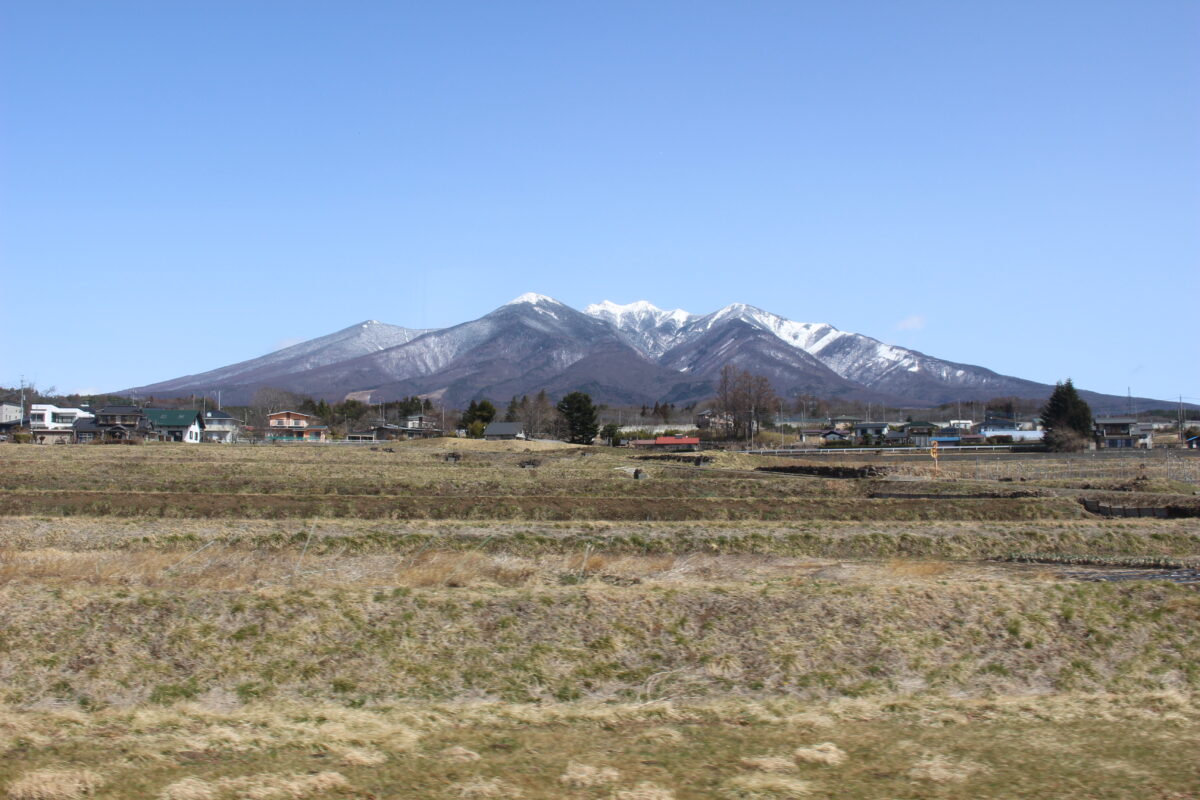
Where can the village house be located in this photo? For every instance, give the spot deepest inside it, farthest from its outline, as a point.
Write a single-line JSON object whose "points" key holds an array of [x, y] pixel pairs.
{"points": [[418, 426], [920, 434], [53, 436], [500, 431], [947, 436], [121, 423], [1123, 432], [9, 412], [711, 418], [844, 423], [219, 426], [45, 416], [292, 426], [87, 430], [175, 424], [871, 431], [379, 432]]}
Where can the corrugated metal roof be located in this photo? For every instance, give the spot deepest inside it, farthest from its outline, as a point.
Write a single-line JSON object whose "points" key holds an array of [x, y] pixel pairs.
{"points": [[677, 440], [172, 417]]}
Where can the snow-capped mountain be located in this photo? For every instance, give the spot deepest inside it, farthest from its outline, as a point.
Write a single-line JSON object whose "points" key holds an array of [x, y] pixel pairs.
{"points": [[349, 343], [642, 325], [633, 353], [860, 360]]}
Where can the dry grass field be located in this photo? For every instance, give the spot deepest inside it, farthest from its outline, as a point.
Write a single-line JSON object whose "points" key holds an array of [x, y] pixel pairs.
{"points": [[515, 621]]}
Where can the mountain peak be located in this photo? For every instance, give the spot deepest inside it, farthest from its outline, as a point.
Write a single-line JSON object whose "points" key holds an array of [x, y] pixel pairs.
{"points": [[617, 308], [532, 298], [638, 309]]}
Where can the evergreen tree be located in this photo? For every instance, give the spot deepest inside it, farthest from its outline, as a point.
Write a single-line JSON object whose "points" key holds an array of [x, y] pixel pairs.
{"points": [[485, 412], [611, 433], [1067, 419], [580, 415], [513, 411], [470, 415]]}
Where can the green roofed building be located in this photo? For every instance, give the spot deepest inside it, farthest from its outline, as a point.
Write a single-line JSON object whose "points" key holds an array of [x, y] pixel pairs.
{"points": [[175, 424]]}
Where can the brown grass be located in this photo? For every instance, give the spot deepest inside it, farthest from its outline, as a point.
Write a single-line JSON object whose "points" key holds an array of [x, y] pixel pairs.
{"points": [[239, 622], [826, 753], [769, 764], [586, 776], [764, 787], [646, 790], [917, 569], [266, 786], [485, 789], [55, 784]]}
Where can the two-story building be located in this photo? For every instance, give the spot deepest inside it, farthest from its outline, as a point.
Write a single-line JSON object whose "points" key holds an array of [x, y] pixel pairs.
{"points": [[292, 426], [1123, 432], [46, 416], [220, 426], [118, 423], [9, 412], [920, 434], [176, 424], [871, 431]]}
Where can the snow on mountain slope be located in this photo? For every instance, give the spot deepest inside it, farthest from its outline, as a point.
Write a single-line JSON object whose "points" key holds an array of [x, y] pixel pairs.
{"points": [[852, 356], [644, 326], [635, 352], [349, 343]]}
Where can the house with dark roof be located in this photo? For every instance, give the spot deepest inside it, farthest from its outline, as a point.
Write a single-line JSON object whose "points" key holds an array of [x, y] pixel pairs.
{"points": [[836, 435], [499, 431], [921, 433], [120, 423], [871, 431], [176, 424], [88, 430]]}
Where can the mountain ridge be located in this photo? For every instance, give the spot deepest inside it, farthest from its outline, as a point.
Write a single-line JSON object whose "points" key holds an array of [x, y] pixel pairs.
{"points": [[628, 354]]}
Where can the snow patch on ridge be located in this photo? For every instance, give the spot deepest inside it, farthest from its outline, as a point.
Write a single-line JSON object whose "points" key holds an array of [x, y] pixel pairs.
{"points": [[533, 298]]}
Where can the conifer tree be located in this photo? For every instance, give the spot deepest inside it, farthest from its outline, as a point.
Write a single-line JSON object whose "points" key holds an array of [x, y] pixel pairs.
{"points": [[1066, 418], [580, 415]]}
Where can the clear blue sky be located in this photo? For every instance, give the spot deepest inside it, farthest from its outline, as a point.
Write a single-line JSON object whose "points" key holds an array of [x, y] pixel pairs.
{"points": [[184, 185]]}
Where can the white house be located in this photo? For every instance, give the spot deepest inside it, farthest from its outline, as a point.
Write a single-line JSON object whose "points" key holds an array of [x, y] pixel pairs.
{"points": [[45, 416], [9, 412], [221, 427]]}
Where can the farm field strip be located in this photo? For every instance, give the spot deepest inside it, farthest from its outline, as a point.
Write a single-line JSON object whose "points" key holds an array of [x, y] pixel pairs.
{"points": [[212, 623]]}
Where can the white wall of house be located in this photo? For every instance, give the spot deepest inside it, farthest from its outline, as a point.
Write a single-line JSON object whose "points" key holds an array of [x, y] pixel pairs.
{"points": [[51, 417], [9, 412], [1017, 435]]}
